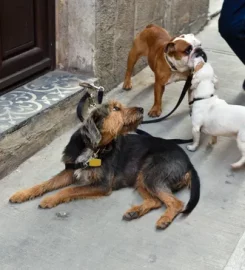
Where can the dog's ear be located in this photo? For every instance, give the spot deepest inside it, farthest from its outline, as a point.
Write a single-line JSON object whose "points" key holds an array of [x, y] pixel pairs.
{"points": [[170, 48], [90, 131]]}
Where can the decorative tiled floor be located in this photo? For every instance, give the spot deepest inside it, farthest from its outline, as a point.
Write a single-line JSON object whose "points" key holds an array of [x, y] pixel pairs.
{"points": [[28, 100]]}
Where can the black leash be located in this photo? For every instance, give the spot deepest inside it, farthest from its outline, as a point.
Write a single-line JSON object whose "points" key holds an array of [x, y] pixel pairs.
{"points": [[182, 95], [100, 95], [100, 91], [177, 141], [80, 105], [199, 53]]}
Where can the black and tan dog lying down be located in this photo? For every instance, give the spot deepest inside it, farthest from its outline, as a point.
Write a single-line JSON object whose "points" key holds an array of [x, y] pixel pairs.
{"points": [[101, 158]]}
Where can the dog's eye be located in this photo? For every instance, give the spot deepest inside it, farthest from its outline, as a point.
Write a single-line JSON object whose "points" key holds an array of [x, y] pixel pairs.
{"points": [[188, 50], [115, 108]]}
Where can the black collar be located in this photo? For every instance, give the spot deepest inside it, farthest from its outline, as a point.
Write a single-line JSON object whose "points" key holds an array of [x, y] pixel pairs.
{"points": [[171, 65], [98, 154], [197, 99], [75, 166]]}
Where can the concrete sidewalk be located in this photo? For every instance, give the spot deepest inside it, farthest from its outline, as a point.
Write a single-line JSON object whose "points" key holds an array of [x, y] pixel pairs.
{"points": [[92, 235]]}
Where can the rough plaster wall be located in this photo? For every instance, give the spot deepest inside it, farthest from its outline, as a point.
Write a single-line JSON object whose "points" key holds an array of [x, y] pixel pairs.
{"points": [[105, 30], [188, 16], [76, 34], [199, 13], [61, 33], [81, 29], [147, 12], [114, 36]]}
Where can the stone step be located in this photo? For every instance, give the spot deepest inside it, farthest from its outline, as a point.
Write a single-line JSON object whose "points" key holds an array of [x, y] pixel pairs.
{"points": [[32, 115]]}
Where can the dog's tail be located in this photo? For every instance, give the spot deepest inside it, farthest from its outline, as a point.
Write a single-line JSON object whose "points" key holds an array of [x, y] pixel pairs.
{"points": [[195, 192]]}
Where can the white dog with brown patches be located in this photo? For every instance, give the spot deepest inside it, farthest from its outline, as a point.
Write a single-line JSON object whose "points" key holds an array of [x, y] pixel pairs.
{"points": [[212, 115]]}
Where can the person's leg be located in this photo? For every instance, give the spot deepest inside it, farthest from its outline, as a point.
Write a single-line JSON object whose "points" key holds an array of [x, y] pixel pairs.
{"points": [[232, 26]]}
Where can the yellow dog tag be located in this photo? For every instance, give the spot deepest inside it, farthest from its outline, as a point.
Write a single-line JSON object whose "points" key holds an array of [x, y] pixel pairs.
{"points": [[95, 162]]}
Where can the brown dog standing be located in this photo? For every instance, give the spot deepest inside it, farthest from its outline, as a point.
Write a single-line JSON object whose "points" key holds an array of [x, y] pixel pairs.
{"points": [[167, 57]]}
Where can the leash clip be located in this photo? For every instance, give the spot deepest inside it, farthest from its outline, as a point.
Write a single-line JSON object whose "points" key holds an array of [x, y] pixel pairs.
{"points": [[88, 100], [91, 89]]}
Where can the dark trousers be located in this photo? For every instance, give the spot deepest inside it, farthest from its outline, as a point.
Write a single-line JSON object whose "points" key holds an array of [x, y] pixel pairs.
{"points": [[232, 26]]}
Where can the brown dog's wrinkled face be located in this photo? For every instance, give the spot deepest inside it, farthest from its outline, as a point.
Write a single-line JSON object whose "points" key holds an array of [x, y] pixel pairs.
{"points": [[180, 49], [110, 120]]}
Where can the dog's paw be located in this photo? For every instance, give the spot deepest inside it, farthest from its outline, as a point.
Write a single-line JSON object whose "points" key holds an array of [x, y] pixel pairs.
{"points": [[239, 164], [127, 85], [163, 223], [48, 202], [155, 112], [130, 216], [212, 141], [20, 196], [210, 145], [236, 166], [191, 147]]}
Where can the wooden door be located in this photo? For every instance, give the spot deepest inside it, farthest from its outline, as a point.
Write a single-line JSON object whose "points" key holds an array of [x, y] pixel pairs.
{"points": [[27, 40]]}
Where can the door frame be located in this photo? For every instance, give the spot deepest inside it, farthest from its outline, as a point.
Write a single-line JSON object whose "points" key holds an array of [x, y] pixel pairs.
{"points": [[15, 80]]}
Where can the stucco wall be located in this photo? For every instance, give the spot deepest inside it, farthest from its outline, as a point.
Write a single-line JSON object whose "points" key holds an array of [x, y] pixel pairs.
{"points": [[96, 36], [75, 34]]}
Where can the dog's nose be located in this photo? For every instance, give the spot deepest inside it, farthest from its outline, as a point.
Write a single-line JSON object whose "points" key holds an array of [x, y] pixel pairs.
{"points": [[199, 52], [141, 110]]}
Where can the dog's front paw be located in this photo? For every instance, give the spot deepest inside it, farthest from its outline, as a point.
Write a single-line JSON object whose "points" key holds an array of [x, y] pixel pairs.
{"points": [[130, 216], [191, 147], [155, 111], [212, 141], [48, 202], [237, 165], [127, 85], [132, 213], [163, 223], [20, 196]]}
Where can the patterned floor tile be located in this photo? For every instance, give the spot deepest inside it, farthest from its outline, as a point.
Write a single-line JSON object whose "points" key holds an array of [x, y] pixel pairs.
{"points": [[28, 100]]}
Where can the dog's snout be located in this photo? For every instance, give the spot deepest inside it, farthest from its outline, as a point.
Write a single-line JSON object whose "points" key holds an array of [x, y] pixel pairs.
{"points": [[140, 109], [199, 52]]}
